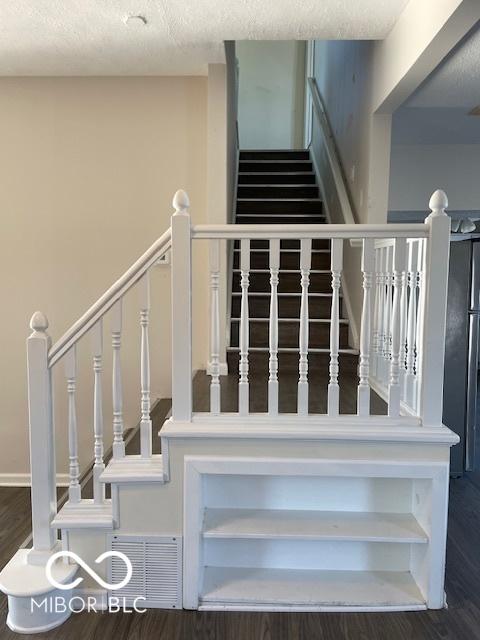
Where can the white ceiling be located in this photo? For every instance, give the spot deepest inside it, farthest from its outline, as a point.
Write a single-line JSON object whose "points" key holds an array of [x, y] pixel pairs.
{"points": [[456, 81], [90, 37]]}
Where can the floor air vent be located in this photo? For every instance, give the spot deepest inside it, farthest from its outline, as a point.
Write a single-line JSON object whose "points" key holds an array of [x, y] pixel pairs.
{"points": [[157, 570]]}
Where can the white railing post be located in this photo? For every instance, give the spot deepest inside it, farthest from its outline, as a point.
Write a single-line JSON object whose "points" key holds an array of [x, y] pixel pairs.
{"points": [[368, 265], [333, 386], [181, 310], [99, 465], [214, 366], [145, 422], [434, 305], [42, 448], [411, 346], [399, 254]]}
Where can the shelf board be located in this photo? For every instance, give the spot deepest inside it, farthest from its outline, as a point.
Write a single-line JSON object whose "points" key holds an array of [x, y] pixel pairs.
{"points": [[230, 587], [312, 525]]}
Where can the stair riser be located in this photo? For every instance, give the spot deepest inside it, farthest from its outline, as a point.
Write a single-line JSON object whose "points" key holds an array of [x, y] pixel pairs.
{"points": [[285, 244], [275, 155], [276, 178], [288, 282], [287, 260], [275, 167], [288, 335], [288, 307], [278, 192], [279, 206]]}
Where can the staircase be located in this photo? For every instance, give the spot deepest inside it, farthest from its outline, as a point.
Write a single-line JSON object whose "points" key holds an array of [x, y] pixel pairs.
{"points": [[280, 187], [260, 506]]}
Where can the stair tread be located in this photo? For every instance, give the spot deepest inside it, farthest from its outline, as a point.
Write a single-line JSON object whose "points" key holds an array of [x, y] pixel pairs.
{"points": [[134, 468], [84, 515]]}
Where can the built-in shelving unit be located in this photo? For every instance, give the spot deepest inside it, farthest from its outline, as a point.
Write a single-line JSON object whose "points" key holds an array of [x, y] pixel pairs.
{"points": [[356, 540]]}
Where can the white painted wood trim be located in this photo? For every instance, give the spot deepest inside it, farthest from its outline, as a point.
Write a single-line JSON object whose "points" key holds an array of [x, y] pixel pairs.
{"points": [[110, 297], [293, 427], [181, 309], [25, 480], [307, 231]]}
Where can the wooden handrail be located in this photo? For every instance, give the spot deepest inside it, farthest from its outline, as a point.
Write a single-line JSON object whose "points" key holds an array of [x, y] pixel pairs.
{"points": [[110, 297]]}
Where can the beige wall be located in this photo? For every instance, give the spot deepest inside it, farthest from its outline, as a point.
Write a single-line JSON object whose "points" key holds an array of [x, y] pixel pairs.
{"points": [[89, 167]]}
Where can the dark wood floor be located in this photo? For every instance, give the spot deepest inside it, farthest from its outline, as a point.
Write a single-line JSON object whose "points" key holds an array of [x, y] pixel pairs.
{"points": [[461, 621]]}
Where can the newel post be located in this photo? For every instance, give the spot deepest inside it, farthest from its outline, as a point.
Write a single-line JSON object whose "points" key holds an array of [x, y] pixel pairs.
{"points": [[181, 310], [434, 302], [42, 448]]}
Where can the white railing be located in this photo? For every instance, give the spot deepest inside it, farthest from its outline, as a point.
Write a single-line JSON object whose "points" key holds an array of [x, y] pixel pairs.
{"points": [[401, 353]]}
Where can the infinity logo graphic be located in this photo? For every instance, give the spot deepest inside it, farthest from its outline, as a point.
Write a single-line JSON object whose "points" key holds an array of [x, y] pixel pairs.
{"points": [[91, 572]]}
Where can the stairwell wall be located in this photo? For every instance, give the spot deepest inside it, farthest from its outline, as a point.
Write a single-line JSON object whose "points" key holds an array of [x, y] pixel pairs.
{"points": [[89, 167]]}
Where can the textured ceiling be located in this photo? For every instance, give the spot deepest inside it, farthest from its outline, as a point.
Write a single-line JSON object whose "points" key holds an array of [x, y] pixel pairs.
{"points": [[90, 37], [456, 81]]}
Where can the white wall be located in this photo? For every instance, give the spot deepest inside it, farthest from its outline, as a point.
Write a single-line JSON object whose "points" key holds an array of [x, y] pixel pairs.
{"points": [[271, 94], [416, 171], [89, 167]]}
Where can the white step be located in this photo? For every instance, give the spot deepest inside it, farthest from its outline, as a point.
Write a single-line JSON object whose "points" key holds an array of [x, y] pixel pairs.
{"points": [[84, 515], [236, 588], [312, 525], [134, 469]]}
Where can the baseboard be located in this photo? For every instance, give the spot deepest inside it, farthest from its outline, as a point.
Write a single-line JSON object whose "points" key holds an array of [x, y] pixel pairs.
{"points": [[24, 480]]}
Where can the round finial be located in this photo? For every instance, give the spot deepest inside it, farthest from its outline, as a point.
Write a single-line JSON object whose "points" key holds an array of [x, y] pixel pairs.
{"points": [[181, 202], [39, 322], [438, 201]]}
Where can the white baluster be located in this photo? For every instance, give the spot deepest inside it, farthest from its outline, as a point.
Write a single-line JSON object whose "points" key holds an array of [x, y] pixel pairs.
{"points": [[387, 343], [434, 304], [273, 328], [382, 301], [305, 261], [336, 268], [403, 329], [243, 395], [74, 468], [399, 254], [145, 422], [117, 393], [363, 393], [409, 382], [214, 327], [98, 466], [374, 345]]}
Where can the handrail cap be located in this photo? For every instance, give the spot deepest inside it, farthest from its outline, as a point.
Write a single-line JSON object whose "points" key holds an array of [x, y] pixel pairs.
{"points": [[438, 201], [181, 202], [39, 322]]}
